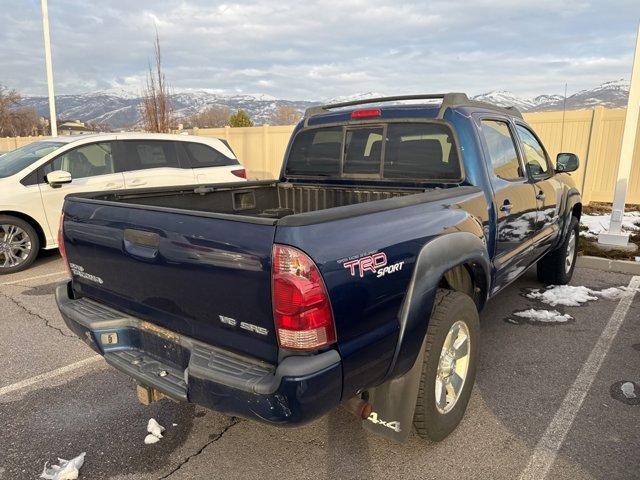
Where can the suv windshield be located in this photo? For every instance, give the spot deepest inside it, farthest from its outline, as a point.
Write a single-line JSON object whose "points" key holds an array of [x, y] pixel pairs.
{"points": [[415, 151], [17, 160]]}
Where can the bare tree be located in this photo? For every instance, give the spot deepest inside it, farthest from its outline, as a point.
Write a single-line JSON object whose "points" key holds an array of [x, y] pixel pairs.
{"points": [[156, 106], [284, 115], [14, 119], [210, 118]]}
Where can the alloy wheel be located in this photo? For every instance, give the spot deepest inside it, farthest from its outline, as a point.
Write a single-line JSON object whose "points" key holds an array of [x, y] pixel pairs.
{"points": [[453, 367], [571, 252], [15, 246]]}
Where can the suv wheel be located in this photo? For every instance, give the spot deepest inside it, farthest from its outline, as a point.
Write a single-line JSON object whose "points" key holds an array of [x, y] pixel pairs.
{"points": [[449, 365], [556, 268], [19, 244]]}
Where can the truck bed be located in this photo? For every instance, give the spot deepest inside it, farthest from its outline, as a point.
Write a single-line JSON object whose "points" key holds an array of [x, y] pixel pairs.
{"points": [[259, 199]]}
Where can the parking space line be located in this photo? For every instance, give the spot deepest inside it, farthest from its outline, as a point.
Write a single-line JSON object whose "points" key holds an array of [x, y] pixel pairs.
{"points": [[547, 448], [28, 279], [48, 375]]}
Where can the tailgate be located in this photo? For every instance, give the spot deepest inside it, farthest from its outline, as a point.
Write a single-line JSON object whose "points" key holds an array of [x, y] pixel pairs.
{"points": [[202, 276]]}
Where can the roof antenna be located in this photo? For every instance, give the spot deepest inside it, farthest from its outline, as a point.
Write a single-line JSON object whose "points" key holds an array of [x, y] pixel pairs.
{"points": [[564, 111]]}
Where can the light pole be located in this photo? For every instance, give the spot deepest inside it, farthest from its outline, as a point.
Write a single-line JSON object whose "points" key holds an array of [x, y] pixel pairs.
{"points": [[614, 235], [47, 59]]}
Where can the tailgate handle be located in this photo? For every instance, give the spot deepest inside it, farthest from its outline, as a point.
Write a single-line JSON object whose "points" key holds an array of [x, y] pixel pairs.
{"points": [[141, 244]]}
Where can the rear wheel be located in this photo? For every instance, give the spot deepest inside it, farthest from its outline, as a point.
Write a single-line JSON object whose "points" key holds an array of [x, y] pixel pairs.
{"points": [[449, 365], [19, 244], [556, 267]]}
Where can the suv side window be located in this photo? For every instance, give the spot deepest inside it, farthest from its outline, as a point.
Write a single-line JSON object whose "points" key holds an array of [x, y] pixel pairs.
{"points": [[146, 154], [534, 154], [202, 156], [502, 150], [84, 161]]}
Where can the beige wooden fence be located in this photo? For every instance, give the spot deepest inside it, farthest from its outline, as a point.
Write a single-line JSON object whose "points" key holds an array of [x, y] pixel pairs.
{"points": [[11, 143], [595, 135]]}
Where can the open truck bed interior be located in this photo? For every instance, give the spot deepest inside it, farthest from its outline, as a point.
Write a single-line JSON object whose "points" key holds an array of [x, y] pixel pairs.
{"points": [[269, 200]]}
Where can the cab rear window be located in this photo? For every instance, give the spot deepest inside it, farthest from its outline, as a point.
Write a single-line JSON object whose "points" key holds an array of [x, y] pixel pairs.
{"points": [[417, 151]]}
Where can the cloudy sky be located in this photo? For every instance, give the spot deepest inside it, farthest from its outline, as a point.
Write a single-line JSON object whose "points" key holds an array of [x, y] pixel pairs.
{"points": [[300, 49]]}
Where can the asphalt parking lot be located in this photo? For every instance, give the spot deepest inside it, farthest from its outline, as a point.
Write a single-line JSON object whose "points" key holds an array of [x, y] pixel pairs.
{"points": [[524, 378]]}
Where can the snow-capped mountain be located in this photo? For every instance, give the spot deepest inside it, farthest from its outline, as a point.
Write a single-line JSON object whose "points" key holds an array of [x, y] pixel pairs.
{"points": [[120, 108], [609, 94]]}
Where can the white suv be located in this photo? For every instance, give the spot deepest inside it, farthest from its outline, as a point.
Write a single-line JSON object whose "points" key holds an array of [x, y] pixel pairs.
{"points": [[35, 179]]}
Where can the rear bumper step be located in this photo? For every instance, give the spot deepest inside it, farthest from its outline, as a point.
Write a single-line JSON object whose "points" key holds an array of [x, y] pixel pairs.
{"points": [[149, 371], [298, 390]]}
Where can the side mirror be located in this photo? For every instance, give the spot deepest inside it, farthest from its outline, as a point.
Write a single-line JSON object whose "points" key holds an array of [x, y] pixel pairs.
{"points": [[58, 178], [567, 162]]}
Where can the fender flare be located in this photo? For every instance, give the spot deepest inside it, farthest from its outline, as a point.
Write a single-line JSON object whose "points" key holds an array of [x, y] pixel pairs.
{"points": [[393, 402], [573, 199], [435, 258]]}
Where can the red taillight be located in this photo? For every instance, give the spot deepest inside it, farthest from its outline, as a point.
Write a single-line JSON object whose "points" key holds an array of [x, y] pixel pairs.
{"points": [[301, 307], [366, 113], [242, 173], [63, 250]]}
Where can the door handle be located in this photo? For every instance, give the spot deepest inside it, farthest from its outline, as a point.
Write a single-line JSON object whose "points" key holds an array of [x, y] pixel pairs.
{"points": [[506, 206], [540, 196], [137, 181]]}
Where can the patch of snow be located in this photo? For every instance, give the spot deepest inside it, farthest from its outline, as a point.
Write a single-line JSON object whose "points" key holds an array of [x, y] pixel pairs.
{"points": [[544, 316], [566, 295], [65, 470], [570, 296], [628, 390], [613, 293], [600, 223]]}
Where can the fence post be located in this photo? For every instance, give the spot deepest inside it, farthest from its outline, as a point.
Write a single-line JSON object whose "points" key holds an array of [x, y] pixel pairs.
{"points": [[590, 162], [227, 130], [266, 161]]}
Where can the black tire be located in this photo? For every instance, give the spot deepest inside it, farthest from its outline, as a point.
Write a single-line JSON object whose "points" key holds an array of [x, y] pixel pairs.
{"points": [[553, 268], [33, 239], [450, 307]]}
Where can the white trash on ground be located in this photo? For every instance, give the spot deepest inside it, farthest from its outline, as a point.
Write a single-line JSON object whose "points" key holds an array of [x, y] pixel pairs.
{"points": [[151, 439], [155, 432], [154, 428], [65, 470], [570, 296], [544, 316], [628, 390]]}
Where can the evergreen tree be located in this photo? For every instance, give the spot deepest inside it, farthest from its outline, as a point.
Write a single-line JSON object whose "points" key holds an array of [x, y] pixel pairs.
{"points": [[240, 119]]}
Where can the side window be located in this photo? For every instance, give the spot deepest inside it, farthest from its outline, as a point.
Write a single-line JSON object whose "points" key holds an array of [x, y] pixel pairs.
{"points": [[502, 150], [363, 150], [202, 155], [420, 151], [146, 154], [85, 161], [534, 154]]}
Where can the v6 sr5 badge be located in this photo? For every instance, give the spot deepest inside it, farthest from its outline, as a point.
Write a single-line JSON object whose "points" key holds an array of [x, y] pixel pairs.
{"points": [[375, 263]]}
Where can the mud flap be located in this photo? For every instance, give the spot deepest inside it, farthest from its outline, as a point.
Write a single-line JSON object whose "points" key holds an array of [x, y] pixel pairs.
{"points": [[394, 404]]}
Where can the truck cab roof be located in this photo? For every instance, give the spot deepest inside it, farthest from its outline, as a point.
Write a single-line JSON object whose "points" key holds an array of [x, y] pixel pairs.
{"points": [[422, 106]]}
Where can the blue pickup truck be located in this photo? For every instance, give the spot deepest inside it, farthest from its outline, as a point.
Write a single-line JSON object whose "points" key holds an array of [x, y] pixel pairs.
{"points": [[355, 279]]}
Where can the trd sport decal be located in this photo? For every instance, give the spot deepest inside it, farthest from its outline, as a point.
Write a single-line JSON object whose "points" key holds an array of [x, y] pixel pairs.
{"points": [[375, 263]]}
